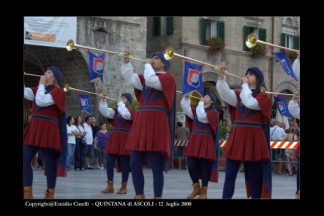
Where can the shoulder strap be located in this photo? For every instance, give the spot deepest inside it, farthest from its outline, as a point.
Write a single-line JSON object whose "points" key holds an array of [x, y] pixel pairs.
{"points": [[272, 132]]}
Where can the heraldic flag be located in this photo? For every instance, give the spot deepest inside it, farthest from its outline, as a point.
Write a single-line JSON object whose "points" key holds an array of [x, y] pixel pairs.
{"points": [[282, 107], [96, 66], [192, 80], [85, 102], [285, 63]]}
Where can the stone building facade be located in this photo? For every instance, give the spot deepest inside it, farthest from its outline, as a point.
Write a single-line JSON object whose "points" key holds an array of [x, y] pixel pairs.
{"points": [[108, 33], [189, 36]]}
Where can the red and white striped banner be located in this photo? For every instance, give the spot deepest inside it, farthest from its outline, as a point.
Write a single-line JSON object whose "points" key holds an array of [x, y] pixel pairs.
{"points": [[284, 145], [273, 144]]}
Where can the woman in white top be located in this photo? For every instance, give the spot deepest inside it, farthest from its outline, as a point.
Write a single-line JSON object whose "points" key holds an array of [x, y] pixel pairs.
{"points": [[72, 131]]}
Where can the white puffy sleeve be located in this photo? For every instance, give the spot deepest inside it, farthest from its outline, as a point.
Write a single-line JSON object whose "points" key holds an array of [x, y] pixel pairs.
{"points": [[105, 110]]}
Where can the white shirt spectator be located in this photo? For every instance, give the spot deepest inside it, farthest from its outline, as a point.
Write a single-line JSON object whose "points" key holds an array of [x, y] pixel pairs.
{"points": [[277, 133], [88, 135], [70, 129]]}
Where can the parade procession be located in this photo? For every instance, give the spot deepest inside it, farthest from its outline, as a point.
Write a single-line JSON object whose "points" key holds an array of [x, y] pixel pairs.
{"points": [[161, 107]]}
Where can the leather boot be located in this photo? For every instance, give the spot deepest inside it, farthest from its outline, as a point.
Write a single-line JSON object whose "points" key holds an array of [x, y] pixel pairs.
{"points": [[28, 192], [141, 196], [49, 194], [195, 192], [298, 195], [123, 189], [203, 193], [109, 188]]}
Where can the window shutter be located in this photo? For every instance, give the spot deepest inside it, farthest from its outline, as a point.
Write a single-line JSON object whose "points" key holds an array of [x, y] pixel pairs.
{"points": [[221, 29], [156, 26], [296, 42], [282, 40], [246, 32], [203, 25], [169, 30], [262, 34]]}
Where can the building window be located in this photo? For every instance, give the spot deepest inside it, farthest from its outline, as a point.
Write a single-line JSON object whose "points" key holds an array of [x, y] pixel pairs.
{"points": [[261, 34], [211, 28], [162, 25], [290, 41]]}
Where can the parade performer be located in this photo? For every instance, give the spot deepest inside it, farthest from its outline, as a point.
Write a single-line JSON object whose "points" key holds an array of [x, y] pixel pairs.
{"points": [[46, 131], [203, 148], [121, 120], [152, 133], [249, 140], [294, 109]]}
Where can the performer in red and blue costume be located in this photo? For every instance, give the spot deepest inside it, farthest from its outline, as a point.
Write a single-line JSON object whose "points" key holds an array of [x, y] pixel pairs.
{"points": [[294, 109], [121, 120], [203, 148], [249, 140], [46, 131], [152, 132]]}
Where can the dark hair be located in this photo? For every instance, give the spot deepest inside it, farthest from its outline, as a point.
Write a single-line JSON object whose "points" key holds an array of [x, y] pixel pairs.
{"points": [[87, 118], [257, 84], [179, 124], [76, 120], [102, 123], [68, 119]]}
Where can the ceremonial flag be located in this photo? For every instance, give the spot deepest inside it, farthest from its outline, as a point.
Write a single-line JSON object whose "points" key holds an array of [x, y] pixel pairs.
{"points": [[282, 107], [192, 79], [85, 103], [96, 66], [285, 63]]}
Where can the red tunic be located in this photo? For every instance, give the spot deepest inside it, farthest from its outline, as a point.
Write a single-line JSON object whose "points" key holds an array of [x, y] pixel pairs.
{"points": [[151, 129], [249, 143], [43, 128], [202, 140], [118, 138]]}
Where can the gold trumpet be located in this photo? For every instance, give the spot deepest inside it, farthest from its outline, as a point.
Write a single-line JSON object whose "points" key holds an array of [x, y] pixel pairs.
{"points": [[169, 54], [252, 40], [67, 88], [189, 95], [34, 75], [71, 45]]}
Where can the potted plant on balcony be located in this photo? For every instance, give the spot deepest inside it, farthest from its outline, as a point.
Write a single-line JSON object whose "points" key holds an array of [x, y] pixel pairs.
{"points": [[257, 51], [292, 56], [216, 44]]}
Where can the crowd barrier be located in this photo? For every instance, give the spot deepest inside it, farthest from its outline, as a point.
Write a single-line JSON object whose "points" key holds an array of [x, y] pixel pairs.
{"points": [[179, 160]]}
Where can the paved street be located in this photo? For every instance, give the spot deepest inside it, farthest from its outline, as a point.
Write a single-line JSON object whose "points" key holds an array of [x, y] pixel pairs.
{"points": [[177, 185]]}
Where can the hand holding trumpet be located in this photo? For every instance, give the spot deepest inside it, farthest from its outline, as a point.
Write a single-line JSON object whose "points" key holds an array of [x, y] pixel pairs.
{"points": [[223, 67], [103, 95], [126, 56], [296, 94]]}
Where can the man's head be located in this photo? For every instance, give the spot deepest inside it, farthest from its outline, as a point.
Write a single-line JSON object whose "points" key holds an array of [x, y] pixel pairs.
{"points": [[209, 99], [127, 96], [159, 61], [57, 73], [258, 75]]}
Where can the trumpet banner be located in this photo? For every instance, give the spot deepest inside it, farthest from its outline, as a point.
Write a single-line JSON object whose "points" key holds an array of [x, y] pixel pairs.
{"points": [[192, 81], [96, 66]]}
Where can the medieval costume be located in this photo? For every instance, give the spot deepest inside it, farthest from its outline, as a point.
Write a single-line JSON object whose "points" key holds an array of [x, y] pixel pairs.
{"points": [[248, 141], [153, 127], [203, 148], [46, 132]]}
